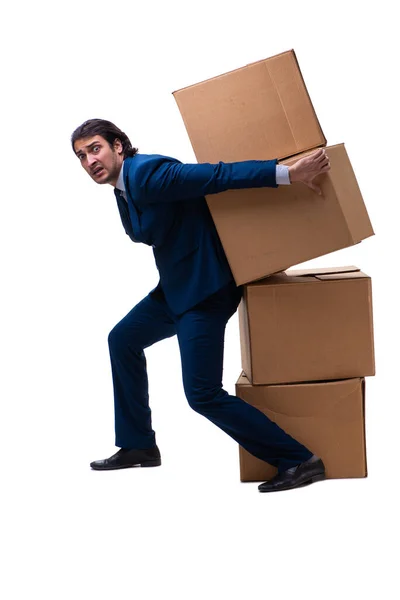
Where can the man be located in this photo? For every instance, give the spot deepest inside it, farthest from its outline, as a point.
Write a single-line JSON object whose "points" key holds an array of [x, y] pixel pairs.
{"points": [[161, 203]]}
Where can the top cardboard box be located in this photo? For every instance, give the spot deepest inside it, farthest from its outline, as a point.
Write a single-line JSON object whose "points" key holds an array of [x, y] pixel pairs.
{"points": [[261, 111]]}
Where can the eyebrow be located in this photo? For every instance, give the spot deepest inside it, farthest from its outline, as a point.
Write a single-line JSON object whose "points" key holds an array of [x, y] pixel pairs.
{"points": [[89, 146]]}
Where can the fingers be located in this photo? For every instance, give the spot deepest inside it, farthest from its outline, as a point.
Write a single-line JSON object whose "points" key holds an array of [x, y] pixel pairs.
{"points": [[309, 167], [321, 168], [316, 162], [318, 153], [322, 162], [321, 156], [316, 169]]}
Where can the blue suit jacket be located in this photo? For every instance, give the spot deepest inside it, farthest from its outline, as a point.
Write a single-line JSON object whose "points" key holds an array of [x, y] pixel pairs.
{"points": [[167, 210]]}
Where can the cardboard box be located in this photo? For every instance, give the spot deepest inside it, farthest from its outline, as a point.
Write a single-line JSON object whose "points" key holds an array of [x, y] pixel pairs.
{"points": [[326, 417], [267, 230], [263, 111], [260, 111], [307, 325]]}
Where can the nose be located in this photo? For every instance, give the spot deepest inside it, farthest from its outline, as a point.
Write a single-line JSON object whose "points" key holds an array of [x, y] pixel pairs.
{"points": [[91, 160]]}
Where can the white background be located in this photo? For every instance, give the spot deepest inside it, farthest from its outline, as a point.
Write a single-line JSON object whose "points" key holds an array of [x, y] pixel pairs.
{"points": [[189, 529]]}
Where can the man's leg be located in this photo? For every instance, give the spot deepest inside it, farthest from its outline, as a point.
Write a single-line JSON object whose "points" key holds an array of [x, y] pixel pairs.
{"points": [[201, 339], [148, 322]]}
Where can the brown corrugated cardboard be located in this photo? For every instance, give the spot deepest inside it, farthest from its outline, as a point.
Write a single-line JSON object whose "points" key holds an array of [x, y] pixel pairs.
{"points": [[260, 111], [328, 418], [266, 230], [307, 325], [263, 111]]}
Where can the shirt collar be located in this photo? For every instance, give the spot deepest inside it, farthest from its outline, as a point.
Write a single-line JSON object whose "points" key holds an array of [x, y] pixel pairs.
{"points": [[120, 185]]}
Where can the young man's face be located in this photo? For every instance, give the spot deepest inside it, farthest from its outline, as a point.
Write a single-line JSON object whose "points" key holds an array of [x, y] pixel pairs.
{"points": [[102, 162]]}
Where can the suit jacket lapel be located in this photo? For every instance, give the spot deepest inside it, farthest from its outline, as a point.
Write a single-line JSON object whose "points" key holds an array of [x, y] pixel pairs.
{"points": [[124, 214], [133, 210]]}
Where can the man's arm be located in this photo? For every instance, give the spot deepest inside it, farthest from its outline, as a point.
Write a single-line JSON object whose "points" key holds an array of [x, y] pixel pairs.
{"points": [[163, 179]]}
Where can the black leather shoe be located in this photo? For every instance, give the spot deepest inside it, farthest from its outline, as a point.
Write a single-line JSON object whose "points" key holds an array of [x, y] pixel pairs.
{"points": [[307, 472], [122, 459]]}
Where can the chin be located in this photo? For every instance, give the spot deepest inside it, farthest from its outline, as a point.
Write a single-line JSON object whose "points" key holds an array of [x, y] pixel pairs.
{"points": [[102, 181]]}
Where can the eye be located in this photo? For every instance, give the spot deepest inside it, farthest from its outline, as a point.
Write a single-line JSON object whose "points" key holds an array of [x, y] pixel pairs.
{"points": [[81, 157], [96, 148]]}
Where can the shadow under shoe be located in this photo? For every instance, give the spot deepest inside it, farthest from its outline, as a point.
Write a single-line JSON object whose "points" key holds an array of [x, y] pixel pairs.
{"points": [[307, 472], [124, 458]]}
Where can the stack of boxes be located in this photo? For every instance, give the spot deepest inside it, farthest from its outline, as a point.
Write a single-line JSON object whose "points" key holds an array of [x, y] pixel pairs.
{"points": [[306, 336], [307, 343]]}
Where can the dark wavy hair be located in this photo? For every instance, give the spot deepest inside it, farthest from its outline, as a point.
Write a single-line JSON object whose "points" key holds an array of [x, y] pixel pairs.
{"points": [[107, 130]]}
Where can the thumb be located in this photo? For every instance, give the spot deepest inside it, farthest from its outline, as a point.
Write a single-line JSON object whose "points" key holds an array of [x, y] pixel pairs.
{"points": [[315, 188]]}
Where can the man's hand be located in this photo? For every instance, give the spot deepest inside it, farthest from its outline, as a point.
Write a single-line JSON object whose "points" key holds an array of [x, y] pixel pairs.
{"points": [[306, 169]]}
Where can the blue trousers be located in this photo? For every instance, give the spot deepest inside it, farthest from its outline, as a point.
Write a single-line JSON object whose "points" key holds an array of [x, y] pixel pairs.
{"points": [[200, 333]]}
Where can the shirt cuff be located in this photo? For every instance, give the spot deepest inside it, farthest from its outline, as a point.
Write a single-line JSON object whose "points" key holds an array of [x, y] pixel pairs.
{"points": [[282, 175]]}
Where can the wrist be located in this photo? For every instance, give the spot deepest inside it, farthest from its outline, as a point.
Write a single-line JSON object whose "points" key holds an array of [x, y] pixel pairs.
{"points": [[292, 174]]}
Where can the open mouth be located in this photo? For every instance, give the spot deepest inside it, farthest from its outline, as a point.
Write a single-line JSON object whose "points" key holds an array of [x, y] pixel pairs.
{"points": [[98, 171]]}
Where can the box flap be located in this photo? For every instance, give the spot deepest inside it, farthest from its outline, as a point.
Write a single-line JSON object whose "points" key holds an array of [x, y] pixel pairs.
{"points": [[321, 272], [242, 379], [347, 275]]}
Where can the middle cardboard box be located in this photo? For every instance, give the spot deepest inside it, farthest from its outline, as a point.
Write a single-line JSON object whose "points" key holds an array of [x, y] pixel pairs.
{"points": [[307, 325]]}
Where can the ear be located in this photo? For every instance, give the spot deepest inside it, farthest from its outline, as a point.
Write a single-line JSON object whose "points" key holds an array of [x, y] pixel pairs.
{"points": [[117, 145]]}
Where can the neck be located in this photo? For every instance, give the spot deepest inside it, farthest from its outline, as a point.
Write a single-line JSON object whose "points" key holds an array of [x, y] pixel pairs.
{"points": [[114, 181]]}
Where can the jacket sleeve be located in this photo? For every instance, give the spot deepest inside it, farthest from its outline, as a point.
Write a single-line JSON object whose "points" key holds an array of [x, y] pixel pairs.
{"points": [[164, 179]]}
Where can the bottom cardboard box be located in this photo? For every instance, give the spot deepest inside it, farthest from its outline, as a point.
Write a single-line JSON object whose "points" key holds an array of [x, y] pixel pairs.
{"points": [[327, 417]]}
